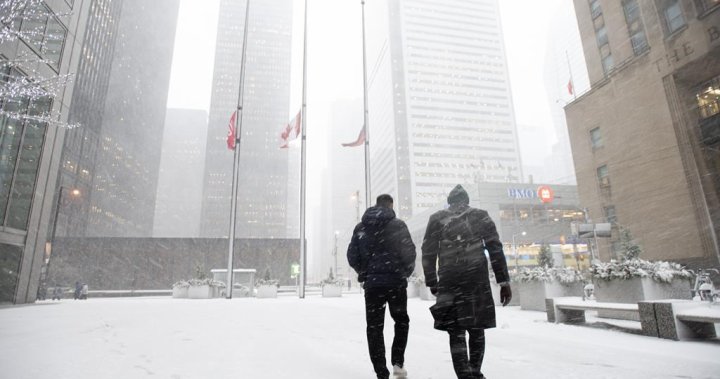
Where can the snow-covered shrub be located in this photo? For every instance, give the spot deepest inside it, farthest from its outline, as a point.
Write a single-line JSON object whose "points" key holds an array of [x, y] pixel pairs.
{"points": [[659, 271], [563, 275], [206, 282], [181, 284], [266, 281], [544, 257], [332, 282]]}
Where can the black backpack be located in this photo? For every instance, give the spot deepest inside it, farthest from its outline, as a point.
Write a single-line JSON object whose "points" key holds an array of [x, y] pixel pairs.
{"points": [[458, 230]]}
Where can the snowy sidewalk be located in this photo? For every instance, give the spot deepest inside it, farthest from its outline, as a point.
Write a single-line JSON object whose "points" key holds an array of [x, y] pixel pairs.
{"points": [[312, 338]]}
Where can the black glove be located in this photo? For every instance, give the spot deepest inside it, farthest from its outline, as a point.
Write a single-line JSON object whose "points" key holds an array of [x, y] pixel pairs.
{"points": [[505, 295], [362, 277], [433, 290]]}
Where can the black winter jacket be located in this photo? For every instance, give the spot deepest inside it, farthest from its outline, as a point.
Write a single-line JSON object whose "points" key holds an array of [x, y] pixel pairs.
{"points": [[460, 270], [381, 250]]}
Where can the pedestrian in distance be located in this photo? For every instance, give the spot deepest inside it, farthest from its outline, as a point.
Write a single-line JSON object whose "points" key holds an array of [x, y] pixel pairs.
{"points": [[456, 270], [381, 251], [57, 293], [78, 289]]}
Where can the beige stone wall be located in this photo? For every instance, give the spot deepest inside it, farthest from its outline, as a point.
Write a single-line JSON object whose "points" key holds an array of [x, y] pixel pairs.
{"points": [[651, 186]]}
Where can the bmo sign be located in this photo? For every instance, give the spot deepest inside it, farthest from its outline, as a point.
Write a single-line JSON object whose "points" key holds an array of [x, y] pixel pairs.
{"points": [[544, 193]]}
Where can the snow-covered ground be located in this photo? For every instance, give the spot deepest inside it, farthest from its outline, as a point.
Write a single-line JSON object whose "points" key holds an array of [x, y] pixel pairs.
{"points": [[312, 338]]}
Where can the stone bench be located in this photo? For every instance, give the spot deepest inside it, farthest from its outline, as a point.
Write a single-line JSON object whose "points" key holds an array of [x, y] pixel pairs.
{"points": [[681, 319], [571, 310]]}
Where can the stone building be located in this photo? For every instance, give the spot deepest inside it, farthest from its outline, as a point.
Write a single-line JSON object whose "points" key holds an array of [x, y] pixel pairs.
{"points": [[645, 137]]}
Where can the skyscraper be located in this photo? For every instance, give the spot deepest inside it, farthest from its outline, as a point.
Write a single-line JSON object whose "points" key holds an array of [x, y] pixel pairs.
{"points": [[439, 100], [179, 189], [262, 197], [29, 149], [80, 149]]}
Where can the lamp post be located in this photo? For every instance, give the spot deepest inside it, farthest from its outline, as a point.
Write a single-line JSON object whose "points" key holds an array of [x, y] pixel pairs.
{"points": [[515, 248], [356, 197], [48, 253], [335, 252]]}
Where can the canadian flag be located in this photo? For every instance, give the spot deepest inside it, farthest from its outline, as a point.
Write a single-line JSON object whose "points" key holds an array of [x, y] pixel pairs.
{"points": [[360, 140], [291, 131], [570, 87], [231, 132]]}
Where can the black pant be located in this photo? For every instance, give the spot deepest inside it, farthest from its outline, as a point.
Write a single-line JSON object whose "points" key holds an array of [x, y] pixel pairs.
{"points": [[375, 299], [467, 368]]}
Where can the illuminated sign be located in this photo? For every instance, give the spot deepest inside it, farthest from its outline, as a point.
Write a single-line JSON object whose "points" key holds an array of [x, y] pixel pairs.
{"points": [[521, 193], [546, 194]]}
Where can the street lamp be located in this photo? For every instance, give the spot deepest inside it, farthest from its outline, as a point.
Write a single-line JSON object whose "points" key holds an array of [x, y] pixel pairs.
{"points": [[356, 196], [515, 248], [335, 252], [74, 192]]}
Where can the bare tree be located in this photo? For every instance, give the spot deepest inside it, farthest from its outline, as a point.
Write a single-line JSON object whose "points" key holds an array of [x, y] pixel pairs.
{"points": [[21, 81]]}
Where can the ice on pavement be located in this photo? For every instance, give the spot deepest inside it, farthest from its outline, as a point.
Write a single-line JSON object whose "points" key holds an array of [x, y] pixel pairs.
{"points": [[309, 338]]}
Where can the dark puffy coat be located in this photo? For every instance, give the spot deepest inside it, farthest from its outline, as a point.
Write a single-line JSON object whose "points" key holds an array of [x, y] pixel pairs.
{"points": [[381, 250], [464, 295]]}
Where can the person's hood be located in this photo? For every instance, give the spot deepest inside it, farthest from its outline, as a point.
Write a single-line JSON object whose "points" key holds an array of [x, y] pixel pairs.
{"points": [[377, 216], [458, 196]]}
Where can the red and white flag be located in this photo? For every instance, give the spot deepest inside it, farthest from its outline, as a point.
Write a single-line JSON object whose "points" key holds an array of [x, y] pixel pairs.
{"points": [[291, 131], [360, 140], [570, 87], [231, 132]]}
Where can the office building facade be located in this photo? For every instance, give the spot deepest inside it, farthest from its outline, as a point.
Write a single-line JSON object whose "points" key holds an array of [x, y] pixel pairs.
{"points": [[644, 138], [263, 182], [439, 100]]}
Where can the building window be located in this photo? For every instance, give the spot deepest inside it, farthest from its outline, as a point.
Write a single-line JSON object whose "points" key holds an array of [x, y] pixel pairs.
{"points": [[635, 26], [603, 177], [706, 6], [708, 99], [601, 35], [595, 9], [608, 63], [596, 139], [610, 215], [672, 15], [44, 33], [20, 147], [10, 259]]}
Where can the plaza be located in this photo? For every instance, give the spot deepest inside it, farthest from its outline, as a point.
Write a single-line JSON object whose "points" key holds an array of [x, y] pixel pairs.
{"points": [[315, 337]]}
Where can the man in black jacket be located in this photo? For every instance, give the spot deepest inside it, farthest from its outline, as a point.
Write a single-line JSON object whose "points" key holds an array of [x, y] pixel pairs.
{"points": [[456, 270], [382, 253]]}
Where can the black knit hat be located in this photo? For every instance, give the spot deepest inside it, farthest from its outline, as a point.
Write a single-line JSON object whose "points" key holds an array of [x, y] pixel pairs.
{"points": [[458, 196]]}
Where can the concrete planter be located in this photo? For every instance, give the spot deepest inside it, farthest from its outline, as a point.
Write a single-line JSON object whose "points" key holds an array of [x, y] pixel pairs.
{"points": [[330, 290], [180, 292], [267, 292], [200, 292], [634, 290], [534, 293]]}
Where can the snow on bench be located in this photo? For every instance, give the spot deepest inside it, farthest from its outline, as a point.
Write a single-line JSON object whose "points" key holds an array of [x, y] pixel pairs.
{"points": [[572, 309], [680, 319]]}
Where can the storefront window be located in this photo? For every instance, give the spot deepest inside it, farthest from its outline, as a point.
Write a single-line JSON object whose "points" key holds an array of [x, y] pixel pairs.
{"points": [[708, 99], [10, 257]]}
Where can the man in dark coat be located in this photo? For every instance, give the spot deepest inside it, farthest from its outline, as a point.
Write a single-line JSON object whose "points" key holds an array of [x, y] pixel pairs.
{"points": [[453, 250], [382, 253]]}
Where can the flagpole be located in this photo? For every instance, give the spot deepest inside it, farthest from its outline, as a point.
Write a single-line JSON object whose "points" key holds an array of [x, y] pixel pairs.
{"points": [[365, 114], [567, 57], [303, 118], [236, 158]]}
